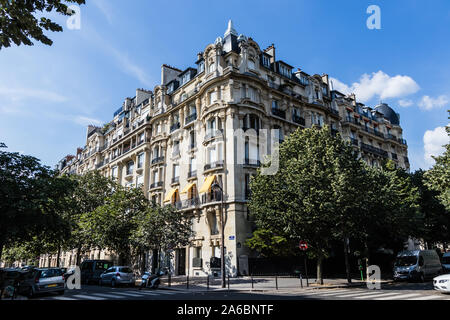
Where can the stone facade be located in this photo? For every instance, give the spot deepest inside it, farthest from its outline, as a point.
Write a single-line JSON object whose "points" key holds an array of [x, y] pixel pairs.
{"points": [[177, 139]]}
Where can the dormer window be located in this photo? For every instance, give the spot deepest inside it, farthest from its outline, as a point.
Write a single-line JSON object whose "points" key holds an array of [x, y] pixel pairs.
{"points": [[186, 78], [284, 70], [212, 67], [201, 66], [251, 64], [265, 61]]}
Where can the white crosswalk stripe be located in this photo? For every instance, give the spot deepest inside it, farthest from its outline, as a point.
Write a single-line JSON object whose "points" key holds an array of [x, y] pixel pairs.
{"points": [[430, 297], [378, 295], [129, 294], [108, 296], [322, 292], [400, 297], [358, 294], [335, 293], [85, 297]]}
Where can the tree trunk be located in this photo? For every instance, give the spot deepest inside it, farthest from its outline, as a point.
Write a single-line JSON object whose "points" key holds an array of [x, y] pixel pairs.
{"points": [[78, 255], [58, 256], [347, 264], [319, 270], [1, 250]]}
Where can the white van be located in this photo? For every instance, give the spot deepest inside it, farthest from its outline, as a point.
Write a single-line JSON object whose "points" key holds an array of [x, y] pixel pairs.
{"points": [[446, 262], [417, 265]]}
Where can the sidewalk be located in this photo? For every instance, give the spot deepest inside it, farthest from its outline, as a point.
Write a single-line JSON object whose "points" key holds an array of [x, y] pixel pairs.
{"points": [[260, 284]]}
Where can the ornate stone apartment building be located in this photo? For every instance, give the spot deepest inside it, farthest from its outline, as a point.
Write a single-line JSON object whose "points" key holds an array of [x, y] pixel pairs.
{"points": [[178, 139]]}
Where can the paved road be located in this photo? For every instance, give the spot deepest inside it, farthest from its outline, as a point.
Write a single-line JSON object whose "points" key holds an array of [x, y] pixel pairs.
{"points": [[397, 291]]}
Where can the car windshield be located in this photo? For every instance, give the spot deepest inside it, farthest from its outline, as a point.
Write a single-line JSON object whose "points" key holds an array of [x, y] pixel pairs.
{"points": [[51, 273], [405, 261], [446, 260]]}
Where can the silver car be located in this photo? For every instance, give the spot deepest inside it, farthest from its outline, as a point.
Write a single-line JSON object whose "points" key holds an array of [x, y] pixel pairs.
{"points": [[43, 280], [118, 275]]}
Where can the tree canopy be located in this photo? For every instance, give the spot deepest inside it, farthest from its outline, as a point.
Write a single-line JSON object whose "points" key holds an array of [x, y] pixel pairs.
{"points": [[19, 21]]}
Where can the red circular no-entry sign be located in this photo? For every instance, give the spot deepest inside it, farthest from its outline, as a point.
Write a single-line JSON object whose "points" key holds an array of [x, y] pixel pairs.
{"points": [[303, 245]]}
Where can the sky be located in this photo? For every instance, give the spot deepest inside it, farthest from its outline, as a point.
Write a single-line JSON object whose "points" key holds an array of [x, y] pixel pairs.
{"points": [[49, 94]]}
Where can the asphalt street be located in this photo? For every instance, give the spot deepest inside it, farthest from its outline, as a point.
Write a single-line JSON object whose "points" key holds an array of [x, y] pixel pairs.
{"points": [[396, 291]]}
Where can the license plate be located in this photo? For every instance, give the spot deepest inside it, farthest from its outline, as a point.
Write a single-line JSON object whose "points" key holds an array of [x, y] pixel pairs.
{"points": [[52, 285]]}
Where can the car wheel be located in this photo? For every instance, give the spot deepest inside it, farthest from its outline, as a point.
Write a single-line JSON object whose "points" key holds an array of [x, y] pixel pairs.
{"points": [[113, 283]]}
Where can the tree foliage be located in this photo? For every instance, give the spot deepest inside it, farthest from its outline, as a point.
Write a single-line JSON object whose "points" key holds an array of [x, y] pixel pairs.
{"points": [[438, 177], [19, 21]]}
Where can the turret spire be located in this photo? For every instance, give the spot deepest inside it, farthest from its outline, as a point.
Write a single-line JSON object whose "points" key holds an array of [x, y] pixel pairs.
{"points": [[230, 29]]}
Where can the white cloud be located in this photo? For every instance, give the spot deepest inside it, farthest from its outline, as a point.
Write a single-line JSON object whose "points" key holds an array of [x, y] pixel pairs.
{"points": [[428, 103], [434, 141], [378, 84], [405, 103], [129, 67], [19, 94], [105, 8], [85, 121]]}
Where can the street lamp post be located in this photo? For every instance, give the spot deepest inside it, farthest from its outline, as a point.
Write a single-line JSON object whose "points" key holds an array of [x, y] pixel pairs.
{"points": [[222, 244]]}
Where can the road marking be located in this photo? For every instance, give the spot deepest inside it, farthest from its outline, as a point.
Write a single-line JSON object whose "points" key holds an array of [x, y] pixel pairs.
{"points": [[62, 298], [360, 293], [130, 294], [426, 298], [85, 297], [105, 295], [334, 293], [400, 297], [377, 295], [321, 292]]}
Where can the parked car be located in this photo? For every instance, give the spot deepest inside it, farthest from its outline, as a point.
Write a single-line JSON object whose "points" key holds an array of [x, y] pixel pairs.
{"points": [[34, 281], [446, 262], [92, 269], [417, 265], [118, 275], [442, 283]]}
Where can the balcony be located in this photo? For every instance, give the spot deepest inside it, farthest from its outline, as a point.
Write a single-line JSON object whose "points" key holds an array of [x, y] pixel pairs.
{"points": [[157, 160], [352, 121], [191, 203], [174, 127], [394, 156], [192, 174], [374, 150], [214, 165], [279, 113], [211, 197], [190, 118], [175, 180], [378, 133], [212, 134], [334, 111], [355, 142], [299, 120], [252, 162], [156, 185]]}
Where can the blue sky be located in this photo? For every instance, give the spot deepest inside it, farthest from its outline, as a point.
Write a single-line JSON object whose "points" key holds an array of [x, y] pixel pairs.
{"points": [[48, 95]]}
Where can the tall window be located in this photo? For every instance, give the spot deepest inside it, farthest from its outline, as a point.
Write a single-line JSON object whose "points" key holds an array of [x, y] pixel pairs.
{"points": [[155, 176], [212, 67], [114, 172], [192, 139], [156, 152], [251, 64], [212, 126], [265, 61], [176, 147], [176, 170], [275, 104], [140, 160], [192, 164], [201, 66], [211, 156], [212, 96], [130, 167]]}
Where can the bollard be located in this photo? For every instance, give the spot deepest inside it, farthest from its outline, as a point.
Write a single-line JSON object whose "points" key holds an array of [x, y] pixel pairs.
{"points": [[187, 282], [228, 282], [301, 281], [207, 282], [170, 277], [252, 282], [276, 282]]}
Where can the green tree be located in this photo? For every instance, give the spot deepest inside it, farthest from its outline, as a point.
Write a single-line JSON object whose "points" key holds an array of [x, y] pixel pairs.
{"points": [[438, 177], [269, 244], [162, 228], [113, 224], [92, 190], [19, 24], [436, 216], [314, 196], [27, 201]]}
